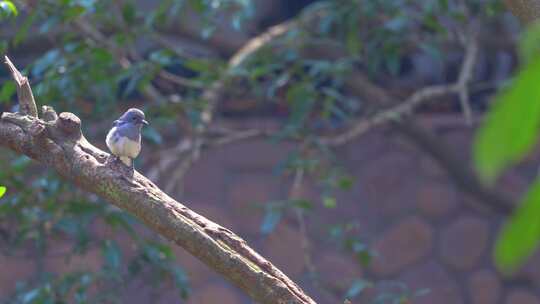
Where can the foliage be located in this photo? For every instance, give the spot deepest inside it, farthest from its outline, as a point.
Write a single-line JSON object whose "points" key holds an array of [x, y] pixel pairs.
{"points": [[7, 9], [35, 219], [2, 191], [509, 133], [109, 55]]}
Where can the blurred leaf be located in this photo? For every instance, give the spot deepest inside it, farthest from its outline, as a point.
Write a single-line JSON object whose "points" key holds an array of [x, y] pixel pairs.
{"points": [[153, 135], [24, 28], [511, 127], [112, 254], [181, 280], [7, 8], [30, 296], [520, 236], [353, 35], [302, 204], [271, 218], [364, 257], [529, 45], [356, 288], [129, 13], [2, 191], [120, 219], [345, 183], [8, 89], [157, 253], [329, 202], [397, 23]]}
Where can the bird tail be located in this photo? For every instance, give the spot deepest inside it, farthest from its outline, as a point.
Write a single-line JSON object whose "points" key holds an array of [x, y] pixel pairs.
{"points": [[126, 160]]}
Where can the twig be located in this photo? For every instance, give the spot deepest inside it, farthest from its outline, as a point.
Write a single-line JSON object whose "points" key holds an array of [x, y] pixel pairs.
{"points": [[186, 163], [212, 95], [195, 51], [27, 103], [466, 74], [185, 82], [86, 28], [256, 43], [294, 194], [417, 98], [393, 113]]}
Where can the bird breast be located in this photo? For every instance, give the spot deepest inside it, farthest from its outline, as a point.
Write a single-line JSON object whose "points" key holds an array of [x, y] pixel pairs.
{"points": [[122, 145]]}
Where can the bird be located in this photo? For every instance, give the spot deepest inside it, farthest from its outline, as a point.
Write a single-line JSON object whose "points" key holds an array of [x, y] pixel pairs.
{"points": [[124, 138]]}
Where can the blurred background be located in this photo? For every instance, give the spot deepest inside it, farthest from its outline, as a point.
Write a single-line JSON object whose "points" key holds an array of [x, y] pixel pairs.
{"points": [[336, 137]]}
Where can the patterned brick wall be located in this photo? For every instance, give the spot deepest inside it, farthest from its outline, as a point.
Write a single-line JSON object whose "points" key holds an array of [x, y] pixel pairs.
{"points": [[425, 231]]}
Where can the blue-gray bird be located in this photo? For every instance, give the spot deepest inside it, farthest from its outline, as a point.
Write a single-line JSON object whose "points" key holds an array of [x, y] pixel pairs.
{"points": [[124, 139]]}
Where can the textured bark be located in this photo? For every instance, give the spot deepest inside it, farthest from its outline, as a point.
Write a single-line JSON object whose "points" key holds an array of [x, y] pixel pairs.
{"points": [[526, 10], [57, 141]]}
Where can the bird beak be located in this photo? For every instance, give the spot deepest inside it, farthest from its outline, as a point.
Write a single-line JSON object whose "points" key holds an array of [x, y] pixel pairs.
{"points": [[145, 122]]}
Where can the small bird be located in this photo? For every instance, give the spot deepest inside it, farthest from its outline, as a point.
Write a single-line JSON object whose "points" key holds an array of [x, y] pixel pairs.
{"points": [[124, 139]]}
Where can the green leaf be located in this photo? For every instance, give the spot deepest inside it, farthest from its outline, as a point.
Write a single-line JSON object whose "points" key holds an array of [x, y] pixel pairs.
{"points": [[129, 13], [345, 183], [511, 127], [329, 202], [529, 44], [24, 28], [2, 191], [520, 236], [8, 89], [8, 8], [302, 204]]}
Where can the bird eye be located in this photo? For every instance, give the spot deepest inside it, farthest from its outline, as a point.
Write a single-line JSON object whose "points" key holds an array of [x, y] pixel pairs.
{"points": [[134, 118]]}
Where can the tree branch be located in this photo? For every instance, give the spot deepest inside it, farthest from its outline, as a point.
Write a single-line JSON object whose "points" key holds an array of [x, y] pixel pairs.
{"points": [[24, 92], [421, 96], [57, 141]]}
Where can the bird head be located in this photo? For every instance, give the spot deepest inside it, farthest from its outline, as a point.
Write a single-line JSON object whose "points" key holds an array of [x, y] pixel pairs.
{"points": [[133, 116]]}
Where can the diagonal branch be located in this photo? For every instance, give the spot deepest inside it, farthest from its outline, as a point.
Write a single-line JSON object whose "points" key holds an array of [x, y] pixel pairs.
{"points": [[57, 141]]}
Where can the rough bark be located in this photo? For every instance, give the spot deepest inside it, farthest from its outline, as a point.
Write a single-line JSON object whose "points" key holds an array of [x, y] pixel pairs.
{"points": [[57, 142]]}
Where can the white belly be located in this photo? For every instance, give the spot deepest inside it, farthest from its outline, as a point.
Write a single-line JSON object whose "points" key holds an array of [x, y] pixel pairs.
{"points": [[123, 146]]}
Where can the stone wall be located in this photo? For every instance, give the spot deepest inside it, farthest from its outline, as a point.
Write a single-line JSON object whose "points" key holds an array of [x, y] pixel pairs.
{"points": [[426, 233]]}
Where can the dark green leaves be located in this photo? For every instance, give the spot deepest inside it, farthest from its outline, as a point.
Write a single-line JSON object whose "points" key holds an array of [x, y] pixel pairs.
{"points": [[521, 235]]}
